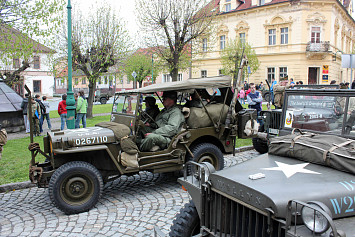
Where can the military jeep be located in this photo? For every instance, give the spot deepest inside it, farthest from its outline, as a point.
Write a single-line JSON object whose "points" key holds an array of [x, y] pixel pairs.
{"points": [[309, 109], [79, 161], [267, 196]]}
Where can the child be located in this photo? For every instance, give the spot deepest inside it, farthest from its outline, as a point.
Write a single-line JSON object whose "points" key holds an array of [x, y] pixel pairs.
{"points": [[242, 96]]}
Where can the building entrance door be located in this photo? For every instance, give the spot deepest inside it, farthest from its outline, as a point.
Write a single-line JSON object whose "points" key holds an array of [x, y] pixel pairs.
{"points": [[313, 75]]}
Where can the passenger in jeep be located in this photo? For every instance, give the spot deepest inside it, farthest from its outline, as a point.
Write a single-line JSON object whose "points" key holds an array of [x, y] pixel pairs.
{"points": [[168, 122]]}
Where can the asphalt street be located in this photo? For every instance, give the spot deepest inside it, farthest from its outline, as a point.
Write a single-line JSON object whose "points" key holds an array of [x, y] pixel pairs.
{"points": [[129, 206]]}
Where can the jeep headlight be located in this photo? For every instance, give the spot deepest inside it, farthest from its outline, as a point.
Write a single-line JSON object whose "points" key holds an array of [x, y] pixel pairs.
{"points": [[313, 216]]}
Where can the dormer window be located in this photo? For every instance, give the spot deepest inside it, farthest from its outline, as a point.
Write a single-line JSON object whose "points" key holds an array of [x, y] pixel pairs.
{"points": [[261, 2], [228, 7]]}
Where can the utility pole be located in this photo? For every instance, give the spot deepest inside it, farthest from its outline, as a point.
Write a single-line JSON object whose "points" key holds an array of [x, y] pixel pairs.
{"points": [[70, 95]]}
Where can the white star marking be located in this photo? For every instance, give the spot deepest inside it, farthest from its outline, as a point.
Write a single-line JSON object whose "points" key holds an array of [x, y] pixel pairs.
{"points": [[290, 170]]}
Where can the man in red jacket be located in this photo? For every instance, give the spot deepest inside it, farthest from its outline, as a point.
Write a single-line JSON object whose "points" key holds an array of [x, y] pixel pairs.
{"points": [[62, 111]]}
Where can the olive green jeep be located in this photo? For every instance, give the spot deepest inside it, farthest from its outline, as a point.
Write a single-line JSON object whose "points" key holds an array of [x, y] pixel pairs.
{"points": [[80, 161]]}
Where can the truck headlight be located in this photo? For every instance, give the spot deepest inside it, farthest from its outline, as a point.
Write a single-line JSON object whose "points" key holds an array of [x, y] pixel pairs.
{"points": [[313, 216]]}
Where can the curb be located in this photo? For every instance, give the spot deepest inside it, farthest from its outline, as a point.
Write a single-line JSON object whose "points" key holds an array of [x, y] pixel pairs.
{"points": [[14, 186], [27, 184]]}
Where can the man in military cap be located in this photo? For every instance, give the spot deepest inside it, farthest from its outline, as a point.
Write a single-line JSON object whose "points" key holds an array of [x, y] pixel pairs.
{"points": [[151, 108], [168, 121], [279, 92]]}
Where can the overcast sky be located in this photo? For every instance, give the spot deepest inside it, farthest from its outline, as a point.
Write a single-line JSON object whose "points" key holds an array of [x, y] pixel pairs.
{"points": [[124, 9]]}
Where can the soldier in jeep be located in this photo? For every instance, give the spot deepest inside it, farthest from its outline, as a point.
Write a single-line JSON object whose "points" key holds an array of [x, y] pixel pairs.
{"points": [[168, 121]]}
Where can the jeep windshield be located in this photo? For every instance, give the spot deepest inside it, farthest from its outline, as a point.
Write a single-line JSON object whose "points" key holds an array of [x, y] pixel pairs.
{"points": [[328, 111]]}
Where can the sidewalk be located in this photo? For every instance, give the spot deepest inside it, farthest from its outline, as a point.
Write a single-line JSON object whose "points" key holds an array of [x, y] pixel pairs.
{"points": [[55, 122]]}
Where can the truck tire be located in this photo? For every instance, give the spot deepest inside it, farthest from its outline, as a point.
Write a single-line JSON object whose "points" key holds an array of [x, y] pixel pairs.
{"points": [[103, 100], [207, 152], [75, 187], [186, 223], [260, 145], [266, 96]]}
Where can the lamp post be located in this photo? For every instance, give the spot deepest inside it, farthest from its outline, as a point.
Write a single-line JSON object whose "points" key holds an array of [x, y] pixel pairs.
{"points": [[70, 95]]}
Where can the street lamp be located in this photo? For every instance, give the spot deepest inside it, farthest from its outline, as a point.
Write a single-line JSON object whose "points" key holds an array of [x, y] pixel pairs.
{"points": [[70, 95]]}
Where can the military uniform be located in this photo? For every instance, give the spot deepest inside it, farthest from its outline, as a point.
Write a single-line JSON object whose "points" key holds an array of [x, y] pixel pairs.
{"points": [[169, 122], [35, 117], [279, 94]]}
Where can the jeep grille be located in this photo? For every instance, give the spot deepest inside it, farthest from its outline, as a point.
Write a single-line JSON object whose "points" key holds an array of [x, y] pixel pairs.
{"points": [[222, 216], [273, 118]]}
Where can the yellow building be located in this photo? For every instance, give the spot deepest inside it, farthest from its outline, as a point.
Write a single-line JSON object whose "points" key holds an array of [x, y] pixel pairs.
{"points": [[298, 38]]}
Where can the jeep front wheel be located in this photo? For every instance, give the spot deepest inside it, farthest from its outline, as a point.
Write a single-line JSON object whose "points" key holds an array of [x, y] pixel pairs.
{"points": [[186, 223], [75, 187], [260, 145], [207, 152]]}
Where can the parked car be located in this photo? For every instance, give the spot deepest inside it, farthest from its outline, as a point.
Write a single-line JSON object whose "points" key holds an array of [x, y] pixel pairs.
{"points": [[80, 161]]}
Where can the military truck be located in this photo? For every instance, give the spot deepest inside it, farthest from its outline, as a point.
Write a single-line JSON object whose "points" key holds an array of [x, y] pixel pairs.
{"points": [[308, 103], [80, 161]]}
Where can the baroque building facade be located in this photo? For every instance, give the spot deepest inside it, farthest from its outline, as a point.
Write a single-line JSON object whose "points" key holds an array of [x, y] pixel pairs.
{"points": [[303, 39]]}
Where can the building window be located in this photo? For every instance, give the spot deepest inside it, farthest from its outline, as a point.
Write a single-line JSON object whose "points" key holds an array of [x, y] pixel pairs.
{"points": [[228, 7], [106, 80], [204, 45], [272, 36], [315, 34], [76, 81], [83, 81], [270, 73], [203, 73], [220, 72], [283, 72], [180, 77], [16, 63], [261, 2], [242, 37], [222, 42], [36, 64], [36, 86], [284, 35], [166, 78]]}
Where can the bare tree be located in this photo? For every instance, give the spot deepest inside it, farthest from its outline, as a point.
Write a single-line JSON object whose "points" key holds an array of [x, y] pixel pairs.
{"points": [[99, 42], [174, 25]]}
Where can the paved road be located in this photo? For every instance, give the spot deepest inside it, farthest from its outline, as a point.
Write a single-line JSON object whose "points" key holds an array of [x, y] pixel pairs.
{"points": [[130, 206]]}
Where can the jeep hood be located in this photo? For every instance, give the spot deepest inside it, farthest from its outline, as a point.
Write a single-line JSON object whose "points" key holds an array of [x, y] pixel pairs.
{"points": [[287, 179], [82, 137]]}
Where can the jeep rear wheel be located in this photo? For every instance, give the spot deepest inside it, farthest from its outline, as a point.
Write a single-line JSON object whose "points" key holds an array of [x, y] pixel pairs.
{"points": [[75, 187], [207, 152], [103, 100], [187, 222]]}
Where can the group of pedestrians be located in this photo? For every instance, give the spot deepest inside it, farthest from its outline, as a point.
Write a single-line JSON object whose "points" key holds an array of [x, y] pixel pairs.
{"points": [[40, 111], [81, 106]]}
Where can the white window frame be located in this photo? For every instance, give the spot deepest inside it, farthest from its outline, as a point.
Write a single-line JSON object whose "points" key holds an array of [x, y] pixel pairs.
{"points": [[261, 2], [222, 42], [204, 45], [316, 38], [36, 66], [228, 7], [284, 35], [272, 36], [270, 73], [203, 73], [242, 37], [282, 72], [180, 78], [166, 78]]}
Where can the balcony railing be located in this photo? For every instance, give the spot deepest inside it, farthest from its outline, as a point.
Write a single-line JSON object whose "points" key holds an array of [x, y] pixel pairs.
{"points": [[322, 46]]}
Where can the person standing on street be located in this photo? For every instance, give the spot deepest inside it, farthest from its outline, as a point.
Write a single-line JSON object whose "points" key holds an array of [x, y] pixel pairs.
{"points": [[279, 90], [43, 111], [273, 83], [254, 98], [36, 115], [62, 111], [26, 120], [81, 109], [46, 114], [242, 96]]}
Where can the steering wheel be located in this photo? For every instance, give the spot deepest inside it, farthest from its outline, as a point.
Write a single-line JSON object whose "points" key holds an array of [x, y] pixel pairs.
{"points": [[145, 117]]}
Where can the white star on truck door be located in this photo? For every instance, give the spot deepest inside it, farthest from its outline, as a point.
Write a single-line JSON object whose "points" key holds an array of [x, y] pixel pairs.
{"points": [[290, 170]]}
